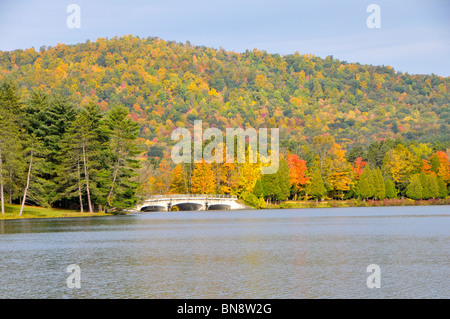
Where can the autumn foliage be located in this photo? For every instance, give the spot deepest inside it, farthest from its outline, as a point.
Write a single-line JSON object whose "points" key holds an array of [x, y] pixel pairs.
{"points": [[338, 178], [346, 129]]}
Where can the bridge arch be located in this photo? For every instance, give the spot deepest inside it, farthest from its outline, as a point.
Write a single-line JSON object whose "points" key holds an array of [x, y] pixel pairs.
{"points": [[186, 206], [184, 202], [153, 208], [219, 207]]}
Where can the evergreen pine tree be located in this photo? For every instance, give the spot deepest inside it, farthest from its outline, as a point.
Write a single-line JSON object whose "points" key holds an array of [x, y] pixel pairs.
{"points": [[442, 188], [283, 180], [366, 187], [270, 186], [316, 188], [10, 138], [121, 159], [434, 163], [426, 192], [48, 118], [34, 185], [277, 185], [432, 186], [259, 190], [414, 190], [379, 187], [391, 192], [83, 152]]}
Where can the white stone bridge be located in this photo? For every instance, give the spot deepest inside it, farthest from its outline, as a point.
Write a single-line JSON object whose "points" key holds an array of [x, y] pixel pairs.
{"points": [[181, 202]]}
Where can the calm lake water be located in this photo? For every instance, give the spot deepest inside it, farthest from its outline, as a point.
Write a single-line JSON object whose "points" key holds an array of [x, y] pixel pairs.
{"points": [[307, 253]]}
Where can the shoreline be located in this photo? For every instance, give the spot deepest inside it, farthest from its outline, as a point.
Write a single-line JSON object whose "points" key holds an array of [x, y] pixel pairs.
{"points": [[34, 212], [361, 203]]}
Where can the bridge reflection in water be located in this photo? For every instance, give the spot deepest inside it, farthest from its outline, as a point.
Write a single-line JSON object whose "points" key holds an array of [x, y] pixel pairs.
{"points": [[184, 202]]}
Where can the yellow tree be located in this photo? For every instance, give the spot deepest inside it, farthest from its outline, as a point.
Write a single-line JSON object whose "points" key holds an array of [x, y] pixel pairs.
{"points": [[179, 183], [322, 145], [203, 179], [226, 175], [399, 163], [162, 181], [248, 174], [226, 178], [340, 171], [155, 180]]}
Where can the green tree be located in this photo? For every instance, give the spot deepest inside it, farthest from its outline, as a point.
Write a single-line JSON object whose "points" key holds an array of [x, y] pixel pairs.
{"points": [[283, 180], [58, 117], [379, 186], [70, 172], [259, 189], [34, 185], [277, 186], [365, 186], [322, 145], [426, 192], [354, 153], [48, 118], [122, 163], [432, 186], [414, 189], [253, 200], [442, 188], [434, 163], [389, 185], [10, 136], [35, 114], [377, 151], [316, 188], [84, 149], [13, 163]]}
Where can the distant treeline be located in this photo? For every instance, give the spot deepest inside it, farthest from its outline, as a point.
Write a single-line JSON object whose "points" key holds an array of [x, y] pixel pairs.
{"points": [[166, 85], [322, 170]]}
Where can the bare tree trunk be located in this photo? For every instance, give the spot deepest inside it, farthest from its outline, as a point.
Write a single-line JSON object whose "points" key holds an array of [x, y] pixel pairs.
{"points": [[116, 171], [86, 178], [2, 198], [28, 184], [79, 186], [11, 186]]}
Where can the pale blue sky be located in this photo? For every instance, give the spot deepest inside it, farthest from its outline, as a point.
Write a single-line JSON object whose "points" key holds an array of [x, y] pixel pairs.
{"points": [[414, 35]]}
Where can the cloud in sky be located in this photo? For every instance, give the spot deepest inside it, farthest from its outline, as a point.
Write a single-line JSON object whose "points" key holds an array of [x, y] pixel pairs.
{"points": [[413, 37]]}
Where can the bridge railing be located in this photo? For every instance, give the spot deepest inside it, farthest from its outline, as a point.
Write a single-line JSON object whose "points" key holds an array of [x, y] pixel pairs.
{"points": [[177, 196]]}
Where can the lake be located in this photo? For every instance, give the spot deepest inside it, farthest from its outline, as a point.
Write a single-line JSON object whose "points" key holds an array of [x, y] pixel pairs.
{"points": [[290, 253]]}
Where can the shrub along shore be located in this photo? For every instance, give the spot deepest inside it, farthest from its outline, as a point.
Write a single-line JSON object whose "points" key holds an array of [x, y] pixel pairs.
{"points": [[12, 211], [361, 203]]}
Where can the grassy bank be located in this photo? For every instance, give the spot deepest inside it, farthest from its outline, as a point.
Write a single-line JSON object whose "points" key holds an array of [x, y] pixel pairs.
{"points": [[12, 212], [360, 203]]}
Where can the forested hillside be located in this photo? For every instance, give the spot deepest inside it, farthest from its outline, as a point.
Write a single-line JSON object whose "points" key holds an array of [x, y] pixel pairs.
{"points": [[166, 85]]}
